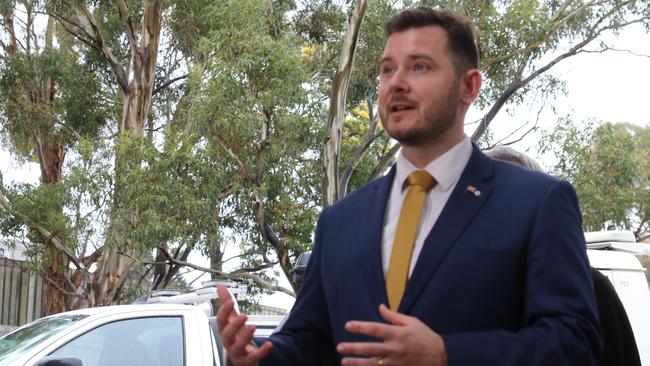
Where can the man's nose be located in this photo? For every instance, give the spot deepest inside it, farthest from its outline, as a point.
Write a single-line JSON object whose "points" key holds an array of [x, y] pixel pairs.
{"points": [[398, 83]]}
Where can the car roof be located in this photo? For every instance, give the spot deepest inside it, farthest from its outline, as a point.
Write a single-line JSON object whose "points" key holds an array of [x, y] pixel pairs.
{"points": [[118, 309], [610, 259]]}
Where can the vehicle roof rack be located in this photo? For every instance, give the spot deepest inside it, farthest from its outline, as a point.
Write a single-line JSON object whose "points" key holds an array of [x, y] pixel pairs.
{"points": [[618, 240], [205, 293], [191, 298], [621, 236]]}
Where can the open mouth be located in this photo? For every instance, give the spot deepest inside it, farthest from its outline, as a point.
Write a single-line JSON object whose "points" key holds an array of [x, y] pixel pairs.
{"points": [[401, 107]]}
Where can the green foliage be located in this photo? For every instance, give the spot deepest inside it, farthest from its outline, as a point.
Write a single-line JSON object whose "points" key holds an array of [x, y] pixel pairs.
{"points": [[73, 209], [189, 23], [40, 203], [245, 128], [253, 109], [48, 89], [319, 22], [365, 77], [607, 164]]}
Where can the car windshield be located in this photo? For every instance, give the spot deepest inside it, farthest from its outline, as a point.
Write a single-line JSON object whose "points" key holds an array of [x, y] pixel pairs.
{"points": [[21, 340]]}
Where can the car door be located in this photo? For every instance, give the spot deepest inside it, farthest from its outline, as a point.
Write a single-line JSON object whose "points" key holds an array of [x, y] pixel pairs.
{"points": [[146, 341]]}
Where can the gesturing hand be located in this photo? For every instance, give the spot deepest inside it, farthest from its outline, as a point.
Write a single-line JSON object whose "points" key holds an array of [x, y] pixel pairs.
{"points": [[235, 335], [406, 341]]}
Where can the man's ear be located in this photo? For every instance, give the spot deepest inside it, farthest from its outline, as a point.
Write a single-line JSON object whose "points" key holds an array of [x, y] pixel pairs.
{"points": [[470, 85]]}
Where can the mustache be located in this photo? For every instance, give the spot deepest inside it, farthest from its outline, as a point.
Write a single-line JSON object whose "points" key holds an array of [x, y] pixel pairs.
{"points": [[401, 99]]}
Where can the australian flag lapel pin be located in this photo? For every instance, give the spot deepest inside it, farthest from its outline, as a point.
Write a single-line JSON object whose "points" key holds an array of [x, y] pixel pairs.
{"points": [[474, 190]]}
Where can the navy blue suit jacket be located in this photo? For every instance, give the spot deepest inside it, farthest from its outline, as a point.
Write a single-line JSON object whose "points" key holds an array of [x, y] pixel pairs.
{"points": [[503, 275]]}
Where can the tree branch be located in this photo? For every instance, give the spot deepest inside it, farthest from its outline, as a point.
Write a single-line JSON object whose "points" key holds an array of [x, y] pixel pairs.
{"points": [[64, 22], [69, 129], [265, 228], [368, 139], [51, 237], [231, 154], [168, 83], [123, 10], [89, 260], [518, 84], [235, 276], [89, 24], [606, 48], [383, 162], [254, 269], [500, 142], [595, 31], [68, 293]]}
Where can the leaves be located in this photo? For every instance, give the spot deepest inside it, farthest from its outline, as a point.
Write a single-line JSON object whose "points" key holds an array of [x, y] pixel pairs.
{"points": [[230, 152], [607, 164]]}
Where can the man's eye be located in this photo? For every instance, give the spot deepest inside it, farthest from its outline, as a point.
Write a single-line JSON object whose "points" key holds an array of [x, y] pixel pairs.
{"points": [[420, 67], [387, 69]]}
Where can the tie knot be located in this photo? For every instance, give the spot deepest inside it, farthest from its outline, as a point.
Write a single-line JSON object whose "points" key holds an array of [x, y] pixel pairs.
{"points": [[420, 178]]}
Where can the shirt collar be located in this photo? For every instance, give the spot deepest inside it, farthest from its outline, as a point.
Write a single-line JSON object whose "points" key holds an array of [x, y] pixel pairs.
{"points": [[446, 168]]}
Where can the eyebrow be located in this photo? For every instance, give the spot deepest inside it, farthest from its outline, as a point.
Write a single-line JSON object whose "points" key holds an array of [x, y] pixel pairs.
{"points": [[416, 56]]}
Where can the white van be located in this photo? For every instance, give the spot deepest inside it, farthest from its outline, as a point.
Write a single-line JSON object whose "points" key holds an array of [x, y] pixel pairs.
{"points": [[614, 254]]}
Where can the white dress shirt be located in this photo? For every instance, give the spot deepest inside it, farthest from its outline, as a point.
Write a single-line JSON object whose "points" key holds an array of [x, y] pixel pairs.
{"points": [[446, 169]]}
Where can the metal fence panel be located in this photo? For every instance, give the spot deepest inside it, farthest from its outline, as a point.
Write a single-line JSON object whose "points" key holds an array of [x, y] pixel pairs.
{"points": [[21, 293]]}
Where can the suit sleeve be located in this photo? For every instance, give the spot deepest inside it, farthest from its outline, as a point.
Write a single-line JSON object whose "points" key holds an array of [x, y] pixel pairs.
{"points": [[305, 338], [561, 325]]}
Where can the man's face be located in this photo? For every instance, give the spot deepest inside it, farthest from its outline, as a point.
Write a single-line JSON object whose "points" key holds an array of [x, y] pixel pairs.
{"points": [[419, 88]]}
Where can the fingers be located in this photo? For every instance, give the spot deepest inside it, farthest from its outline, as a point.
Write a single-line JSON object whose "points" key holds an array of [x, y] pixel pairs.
{"points": [[374, 361], [252, 356], [372, 329], [225, 295], [236, 336], [225, 314], [405, 340], [233, 330], [242, 338], [261, 351], [362, 348], [393, 317]]}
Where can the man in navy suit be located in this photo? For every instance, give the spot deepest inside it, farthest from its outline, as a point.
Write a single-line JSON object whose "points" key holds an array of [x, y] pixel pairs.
{"points": [[497, 274]]}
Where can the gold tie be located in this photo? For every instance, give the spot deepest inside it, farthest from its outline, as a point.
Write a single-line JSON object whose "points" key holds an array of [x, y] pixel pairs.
{"points": [[407, 226]]}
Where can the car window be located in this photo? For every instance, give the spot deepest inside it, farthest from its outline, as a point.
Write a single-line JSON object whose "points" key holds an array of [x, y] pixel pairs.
{"points": [[134, 342], [216, 340], [16, 343]]}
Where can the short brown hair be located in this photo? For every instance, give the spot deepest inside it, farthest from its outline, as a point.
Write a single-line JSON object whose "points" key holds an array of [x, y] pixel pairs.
{"points": [[460, 32]]}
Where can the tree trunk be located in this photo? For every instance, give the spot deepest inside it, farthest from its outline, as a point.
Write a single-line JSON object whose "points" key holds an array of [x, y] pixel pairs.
{"points": [[338, 107], [51, 155], [120, 252], [137, 98]]}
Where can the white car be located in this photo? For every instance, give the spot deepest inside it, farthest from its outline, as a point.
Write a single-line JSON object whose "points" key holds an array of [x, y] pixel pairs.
{"points": [[153, 334], [614, 254]]}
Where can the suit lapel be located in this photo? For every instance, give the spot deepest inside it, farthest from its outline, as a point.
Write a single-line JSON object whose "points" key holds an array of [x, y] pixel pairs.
{"points": [[372, 267], [471, 191]]}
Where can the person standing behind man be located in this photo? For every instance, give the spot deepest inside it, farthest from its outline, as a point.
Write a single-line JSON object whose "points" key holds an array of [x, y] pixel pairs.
{"points": [[452, 258], [619, 345]]}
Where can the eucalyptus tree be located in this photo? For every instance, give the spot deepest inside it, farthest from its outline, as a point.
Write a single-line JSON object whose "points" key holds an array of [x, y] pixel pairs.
{"points": [[520, 41], [197, 124], [608, 166], [46, 91], [96, 74]]}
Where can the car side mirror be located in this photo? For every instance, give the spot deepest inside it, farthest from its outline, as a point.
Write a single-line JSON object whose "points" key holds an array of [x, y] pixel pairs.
{"points": [[298, 271], [59, 361]]}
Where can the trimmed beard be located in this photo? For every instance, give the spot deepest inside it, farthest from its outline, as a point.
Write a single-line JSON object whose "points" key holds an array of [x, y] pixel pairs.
{"points": [[439, 118]]}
